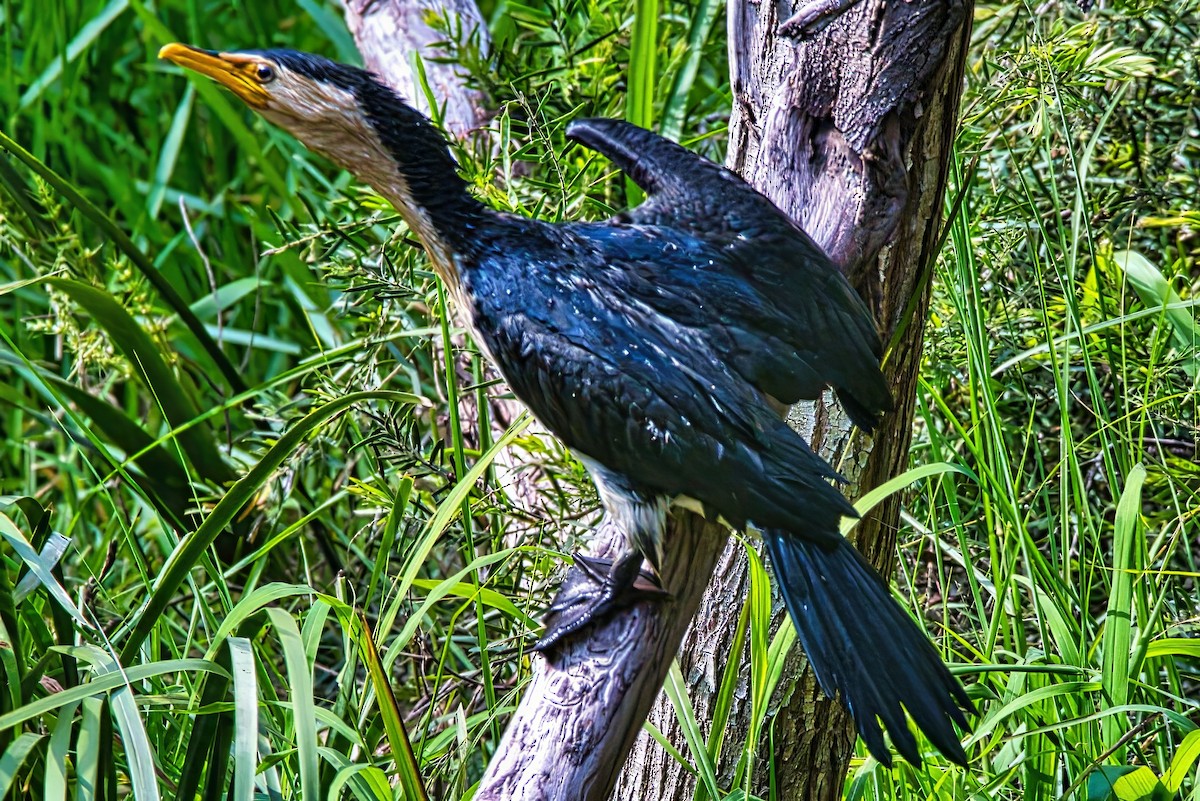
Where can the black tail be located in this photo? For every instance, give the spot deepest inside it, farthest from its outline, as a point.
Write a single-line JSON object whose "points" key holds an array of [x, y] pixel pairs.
{"points": [[863, 645]]}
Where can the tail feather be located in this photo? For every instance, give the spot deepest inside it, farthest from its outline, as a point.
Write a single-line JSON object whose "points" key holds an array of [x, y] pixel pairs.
{"points": [[864, 647]]}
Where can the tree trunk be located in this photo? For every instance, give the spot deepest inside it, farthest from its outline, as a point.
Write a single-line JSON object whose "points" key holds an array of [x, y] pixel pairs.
{"points": [[850, 132]]}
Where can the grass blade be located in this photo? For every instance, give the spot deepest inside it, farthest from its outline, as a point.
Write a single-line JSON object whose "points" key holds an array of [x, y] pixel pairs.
{"points": [[300, 692], [1156, 293], [676, 689], [643, 55], [192, 547], [14, 757], [179, 405], [44, 572], [58, 752], [87, 35], [103, 682], [407, 767], [1127, 564], [1186, 755], [138, 752], [675, 109], [245, 705], [170, 151], [89, 749]]}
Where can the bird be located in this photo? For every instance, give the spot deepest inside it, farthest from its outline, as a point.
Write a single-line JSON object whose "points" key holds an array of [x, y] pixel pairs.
{"points": [[657, 346]]}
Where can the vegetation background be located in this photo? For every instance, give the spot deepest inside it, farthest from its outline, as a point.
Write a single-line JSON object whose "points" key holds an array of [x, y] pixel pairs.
{"points": [[217, 352]]}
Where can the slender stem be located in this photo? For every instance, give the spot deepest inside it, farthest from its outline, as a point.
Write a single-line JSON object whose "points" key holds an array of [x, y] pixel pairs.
{"points": [[460, 470]]}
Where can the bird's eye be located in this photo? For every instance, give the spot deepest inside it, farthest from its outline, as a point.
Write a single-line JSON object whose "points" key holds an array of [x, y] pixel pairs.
{"points": [[264, 73]]}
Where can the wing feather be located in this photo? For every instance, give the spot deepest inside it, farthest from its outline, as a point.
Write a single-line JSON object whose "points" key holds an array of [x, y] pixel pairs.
{"points": [[789, 321]]}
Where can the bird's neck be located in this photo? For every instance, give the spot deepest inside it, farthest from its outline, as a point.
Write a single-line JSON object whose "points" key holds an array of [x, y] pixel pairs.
{"points": [[436, 205], [417, 173]]}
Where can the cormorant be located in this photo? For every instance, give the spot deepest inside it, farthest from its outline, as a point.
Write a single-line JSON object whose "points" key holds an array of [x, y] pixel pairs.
{"points": [[654, 345]]}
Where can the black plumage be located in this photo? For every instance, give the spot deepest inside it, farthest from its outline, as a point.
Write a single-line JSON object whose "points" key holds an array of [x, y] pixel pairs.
{"points": [[654, 345]]}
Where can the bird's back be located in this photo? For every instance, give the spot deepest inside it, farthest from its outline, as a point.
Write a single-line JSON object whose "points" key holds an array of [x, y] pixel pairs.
{"points": [[619, 345], [808, 328]]}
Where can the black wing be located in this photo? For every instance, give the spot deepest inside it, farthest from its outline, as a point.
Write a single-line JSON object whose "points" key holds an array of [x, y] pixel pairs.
{"points": [[646, 395], [796, 325]]}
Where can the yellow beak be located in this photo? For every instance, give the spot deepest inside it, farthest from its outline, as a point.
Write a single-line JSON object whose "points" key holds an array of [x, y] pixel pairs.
{"points": [[234, 71]]}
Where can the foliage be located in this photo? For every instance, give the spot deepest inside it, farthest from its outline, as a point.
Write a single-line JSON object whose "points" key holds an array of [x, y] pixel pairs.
{"points": [[247, 544]]}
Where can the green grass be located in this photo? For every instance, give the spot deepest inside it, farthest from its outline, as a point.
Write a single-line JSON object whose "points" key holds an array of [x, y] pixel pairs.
{"points": [[292, 564]]}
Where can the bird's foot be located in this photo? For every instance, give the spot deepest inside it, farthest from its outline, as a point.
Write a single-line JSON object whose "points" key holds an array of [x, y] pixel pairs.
{"points": [[606, 587], [644, 584]]}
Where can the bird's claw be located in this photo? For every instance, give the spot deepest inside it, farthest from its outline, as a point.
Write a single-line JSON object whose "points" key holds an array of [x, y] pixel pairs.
{"points": [[606, 587], [644, 584]]}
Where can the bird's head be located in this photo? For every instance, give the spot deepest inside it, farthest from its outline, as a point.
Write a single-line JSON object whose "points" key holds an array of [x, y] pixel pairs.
{"points": [[339, 111], [347, 115]]}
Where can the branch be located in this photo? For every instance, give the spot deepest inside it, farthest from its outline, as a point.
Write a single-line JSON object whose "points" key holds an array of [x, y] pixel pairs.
{"points": [[586, 703], [580, 714], [582, 711]]}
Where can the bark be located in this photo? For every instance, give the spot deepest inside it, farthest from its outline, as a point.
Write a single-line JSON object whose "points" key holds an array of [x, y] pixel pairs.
{"points": [[588, 699], [391, 34], [849, 131]]}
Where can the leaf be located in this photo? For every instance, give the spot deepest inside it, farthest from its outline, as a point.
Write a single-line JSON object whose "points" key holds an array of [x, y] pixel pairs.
{"points": [[643, 55], [192, 547], [179, 406], [159, 475], [245, 706], [92, 758], [407, 768], [1186, 755], [40, 568], [676, 689], [1126, 565], [877, 495], [437, 590], [487, 597], [226, 296], [1156, 293], [675, 108], [726, 694], [1125, 783], [448, 510], [121, 240], [103, 682], [300, 694], [1174, 646], [88, 34], [159, 471], [58, 752], [51, 553], [139, 754], [14, 757]]}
